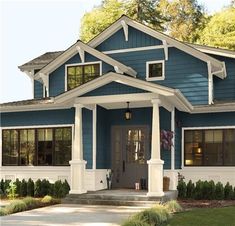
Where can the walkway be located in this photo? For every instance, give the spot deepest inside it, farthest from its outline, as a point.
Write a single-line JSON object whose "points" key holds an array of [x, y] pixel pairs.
{"points": [[64, 215]]}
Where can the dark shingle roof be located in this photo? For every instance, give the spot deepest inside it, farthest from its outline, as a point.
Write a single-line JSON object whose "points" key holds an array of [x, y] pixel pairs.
{"points": [[41, 61], [47, 100]]}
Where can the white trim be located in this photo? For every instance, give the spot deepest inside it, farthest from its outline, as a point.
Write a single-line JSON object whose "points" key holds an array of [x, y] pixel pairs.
{"points": [[94, 136], [155, 78], [199, 128], [37, 126], [0, 147], [134, 49], [125, 29], [164, 42], [81, 53], [216, 64], [79, 64], [173, 140], [210, 84]]}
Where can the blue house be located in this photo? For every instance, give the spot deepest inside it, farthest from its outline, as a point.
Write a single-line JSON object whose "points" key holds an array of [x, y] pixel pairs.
{"points": [[101, 106]]}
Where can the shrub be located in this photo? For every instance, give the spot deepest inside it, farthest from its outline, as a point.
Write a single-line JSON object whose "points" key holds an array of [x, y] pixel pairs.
{"points": [[182, 189], [133, 221], [30, 188], [228, 191], [205, 190], [198, 192], [23, 188], [6, 184], [2, 211], [190, 189], [31, 203], [18, 184], [173, 206], [219, 191], [58, 189], [37, 188], [11, 191], [211, 187], [45, 187], [47, 199], [66, 188], [15, 206]]}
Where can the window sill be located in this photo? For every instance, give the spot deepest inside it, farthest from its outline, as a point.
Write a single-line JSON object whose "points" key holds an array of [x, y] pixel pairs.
{"points": [[155, 79]]}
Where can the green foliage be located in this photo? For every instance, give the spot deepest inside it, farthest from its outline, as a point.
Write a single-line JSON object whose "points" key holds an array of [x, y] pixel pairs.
{"points": [[182, 189], [205, 190], [47, 199], [45, 187], [220, 30], [37, 188], [18, 185], [173, 206], [6, 184], [198, 192], [2, 211], [11, 190], [58, 189], [211, 193], [228, 191], [15, 206], [190, 189], [219, 191], [134, 222], [30, 188], [66, 188], [185, 18], [23, 188], [31, 203]]}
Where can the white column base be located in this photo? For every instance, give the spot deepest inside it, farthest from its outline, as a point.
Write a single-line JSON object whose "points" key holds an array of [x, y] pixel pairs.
{"points": [[77, 176], [155, 177], [173, 175]]}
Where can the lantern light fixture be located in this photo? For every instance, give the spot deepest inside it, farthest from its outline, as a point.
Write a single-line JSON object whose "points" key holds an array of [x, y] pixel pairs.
{"points": [[128, 113]]}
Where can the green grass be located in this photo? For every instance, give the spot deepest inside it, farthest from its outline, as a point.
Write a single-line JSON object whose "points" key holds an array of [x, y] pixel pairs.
{"points": [[205, 217]]}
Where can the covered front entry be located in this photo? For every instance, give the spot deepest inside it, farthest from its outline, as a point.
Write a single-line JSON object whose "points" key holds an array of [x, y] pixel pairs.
{"points": [[130, 152]]}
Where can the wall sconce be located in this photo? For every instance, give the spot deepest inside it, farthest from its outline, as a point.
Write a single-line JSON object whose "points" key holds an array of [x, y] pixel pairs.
{"points": [[128, 113]]}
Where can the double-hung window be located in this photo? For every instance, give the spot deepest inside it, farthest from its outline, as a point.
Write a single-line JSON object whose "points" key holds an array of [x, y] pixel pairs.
{"points": [[82, 73]]}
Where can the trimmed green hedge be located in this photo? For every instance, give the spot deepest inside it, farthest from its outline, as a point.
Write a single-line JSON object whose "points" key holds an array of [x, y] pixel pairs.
{"points": [[206, 190]]}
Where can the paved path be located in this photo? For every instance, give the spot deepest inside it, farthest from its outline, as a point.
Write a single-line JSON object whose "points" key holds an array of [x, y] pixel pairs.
{"points": [[64, 214]]}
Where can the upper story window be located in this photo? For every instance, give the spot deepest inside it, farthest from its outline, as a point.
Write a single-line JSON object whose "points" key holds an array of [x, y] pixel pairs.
{"points": [[78, 74], [209, 147], [155, 70]]}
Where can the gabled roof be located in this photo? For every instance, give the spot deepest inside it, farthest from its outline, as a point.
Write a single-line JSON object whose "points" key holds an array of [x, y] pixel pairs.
{"points": [[217, 66], [40, 62], [81, 48]]}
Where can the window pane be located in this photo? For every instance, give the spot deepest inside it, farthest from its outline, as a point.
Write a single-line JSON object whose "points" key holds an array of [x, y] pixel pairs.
{"points": [[229, 147], [63, 146], [45, 146], [155, 70], [10, 147]]}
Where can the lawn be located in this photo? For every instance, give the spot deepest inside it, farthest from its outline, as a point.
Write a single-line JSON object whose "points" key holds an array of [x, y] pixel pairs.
{"points": [[205, 217]]}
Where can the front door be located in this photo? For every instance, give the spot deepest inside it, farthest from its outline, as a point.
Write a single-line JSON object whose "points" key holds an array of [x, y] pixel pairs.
{"points": [[130, 151]]}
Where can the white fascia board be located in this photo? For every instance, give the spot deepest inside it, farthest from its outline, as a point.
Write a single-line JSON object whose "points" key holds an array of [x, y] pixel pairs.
{"points": [[216, 108]]}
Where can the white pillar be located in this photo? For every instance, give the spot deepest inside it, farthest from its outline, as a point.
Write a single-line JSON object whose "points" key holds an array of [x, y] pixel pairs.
{"points": [[173, 174], [0, 147], [94, 122], [155, 164], [77, 163]]}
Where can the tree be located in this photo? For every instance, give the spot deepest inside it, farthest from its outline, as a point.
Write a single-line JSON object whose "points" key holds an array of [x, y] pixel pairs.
{"points": [[144, 11], [185, 18], [220, 30]]}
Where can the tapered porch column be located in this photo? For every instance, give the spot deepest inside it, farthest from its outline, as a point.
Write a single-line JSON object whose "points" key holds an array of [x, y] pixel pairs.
{"points": [[155, 164], [77, 163]]}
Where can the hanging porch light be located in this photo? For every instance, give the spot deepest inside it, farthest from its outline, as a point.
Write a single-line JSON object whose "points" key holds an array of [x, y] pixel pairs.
{"points": [[128, 113]]}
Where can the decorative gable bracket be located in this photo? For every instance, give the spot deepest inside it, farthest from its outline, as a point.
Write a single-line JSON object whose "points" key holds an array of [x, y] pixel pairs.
{"points": [[165, 46], [125, 29], [45, 80], [81, 53]]}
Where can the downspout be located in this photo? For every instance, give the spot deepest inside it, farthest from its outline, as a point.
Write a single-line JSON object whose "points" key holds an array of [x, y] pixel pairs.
{"points": [[210, 84]]}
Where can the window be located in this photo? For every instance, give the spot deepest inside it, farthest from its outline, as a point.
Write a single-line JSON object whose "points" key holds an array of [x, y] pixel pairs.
{"points": [[155, 70], [42, 146], [80, 74], [209, 147]]}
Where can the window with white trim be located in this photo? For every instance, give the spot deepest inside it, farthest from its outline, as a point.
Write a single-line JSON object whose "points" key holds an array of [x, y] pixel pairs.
{"points": [[155, 70], [209, 147], [81, 73]]}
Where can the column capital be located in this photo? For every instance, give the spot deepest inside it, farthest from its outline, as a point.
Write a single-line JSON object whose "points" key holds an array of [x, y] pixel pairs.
{"points": [[78, 105], [156, 101]]}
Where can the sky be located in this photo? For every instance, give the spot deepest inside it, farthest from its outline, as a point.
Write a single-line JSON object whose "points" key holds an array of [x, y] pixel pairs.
{"points": [[30, 28]]}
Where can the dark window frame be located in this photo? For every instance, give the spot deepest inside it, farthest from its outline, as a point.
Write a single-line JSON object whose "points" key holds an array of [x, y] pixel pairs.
{"points": [[83, 74], [149, 73], [203, 130], [36, 145]]}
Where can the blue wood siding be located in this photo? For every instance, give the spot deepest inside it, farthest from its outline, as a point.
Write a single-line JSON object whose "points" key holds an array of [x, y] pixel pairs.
{"points": [[224, 89], [87, 136], [136, 38], [57, 77], [182, 71], [198, 120], [141, 116], [33, 118], [38, 90], [114, 88]]}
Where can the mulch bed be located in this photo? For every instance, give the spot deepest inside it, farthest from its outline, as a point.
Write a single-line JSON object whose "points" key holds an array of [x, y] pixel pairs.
{"points": [[190, 204]]}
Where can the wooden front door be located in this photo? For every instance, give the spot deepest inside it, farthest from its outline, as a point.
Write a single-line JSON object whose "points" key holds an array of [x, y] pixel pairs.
{"points": [[130, 151]]}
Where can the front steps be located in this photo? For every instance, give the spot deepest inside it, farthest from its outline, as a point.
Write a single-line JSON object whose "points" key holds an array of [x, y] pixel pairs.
{"points": [[117, 198]]}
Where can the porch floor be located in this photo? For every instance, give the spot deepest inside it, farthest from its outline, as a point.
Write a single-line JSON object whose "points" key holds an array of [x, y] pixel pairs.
{"points": [[119, 197]]}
